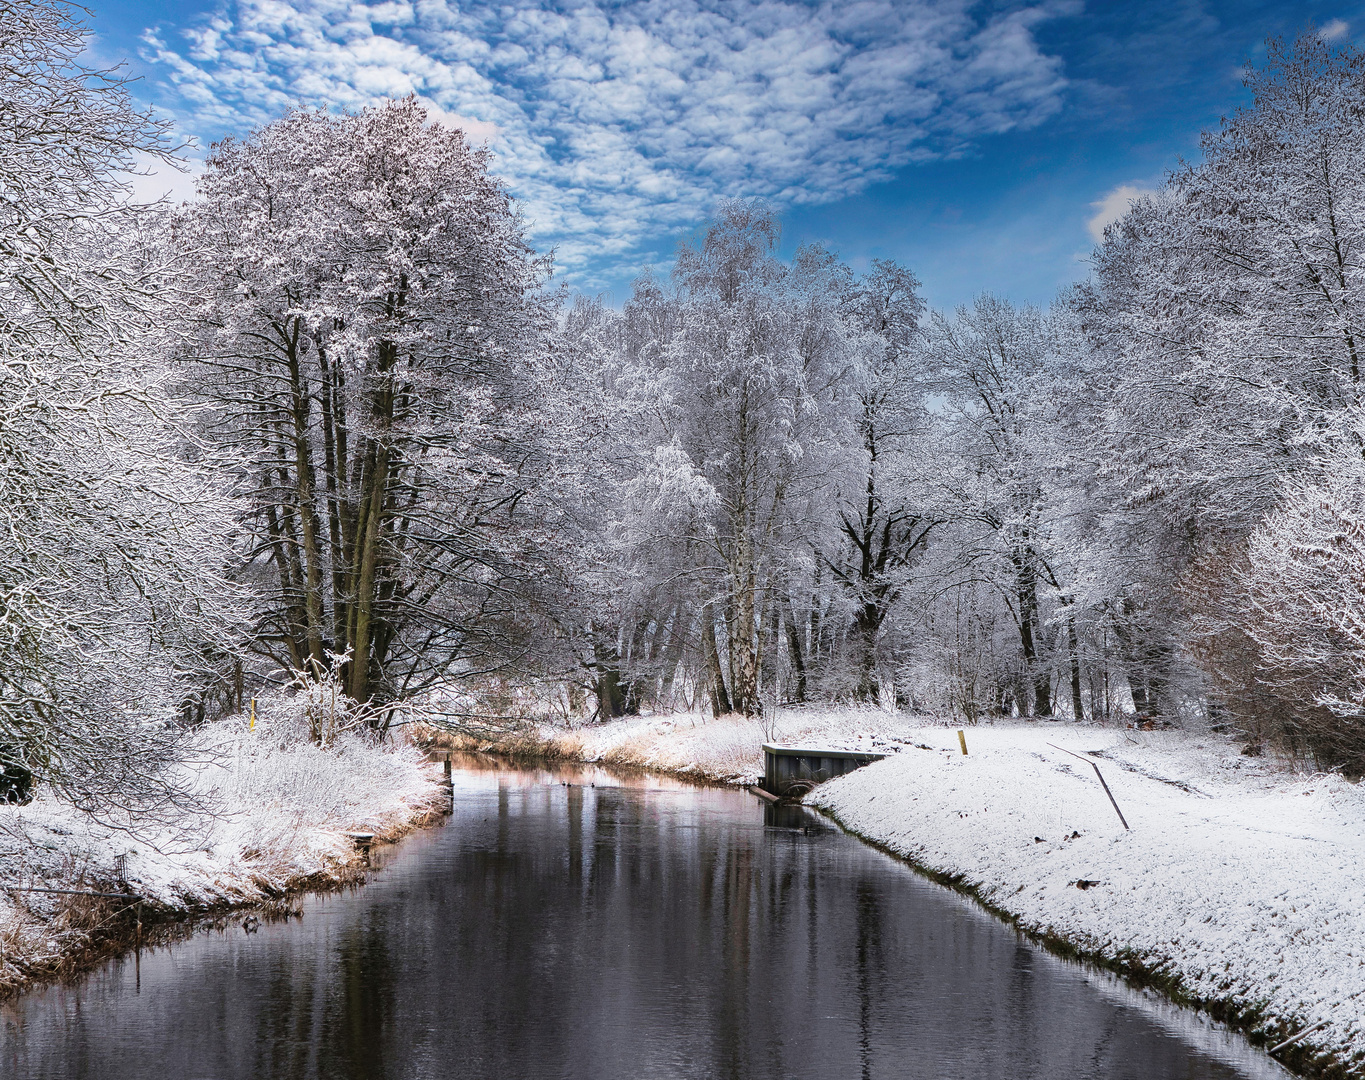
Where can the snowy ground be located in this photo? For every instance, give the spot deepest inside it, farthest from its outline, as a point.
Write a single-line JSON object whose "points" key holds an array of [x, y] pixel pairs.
{"points": [[273, 813], [1241, 879]]}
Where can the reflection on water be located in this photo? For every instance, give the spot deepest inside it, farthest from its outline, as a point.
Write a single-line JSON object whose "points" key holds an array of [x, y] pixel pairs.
{"points": [[571, 923]]}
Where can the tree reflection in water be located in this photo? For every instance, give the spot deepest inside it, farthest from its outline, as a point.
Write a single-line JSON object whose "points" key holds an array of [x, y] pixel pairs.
{"points": [[566, 923]]}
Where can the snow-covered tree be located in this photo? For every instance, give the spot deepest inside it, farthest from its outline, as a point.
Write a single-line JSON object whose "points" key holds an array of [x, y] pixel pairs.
{"points": [[1232, 301], [367, 323], [1225, 317], [737, 380], [1291, 604], [112, 535], [884, 520], [993, 365], [611, 623], [762, 377]]}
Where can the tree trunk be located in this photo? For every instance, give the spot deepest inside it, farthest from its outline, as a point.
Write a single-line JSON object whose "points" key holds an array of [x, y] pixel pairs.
{"points": [[340, 514], [638, 663], [816, 630], [280, 543], [1144, 662], [796, 651], [1074, 649], [720, 699], [1028, 619], [744, 642], [611, 695], [673, 652], [866, 624], [304, 493], [372, 521]]}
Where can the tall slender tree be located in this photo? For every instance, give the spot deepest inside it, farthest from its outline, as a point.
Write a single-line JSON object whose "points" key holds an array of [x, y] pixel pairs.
{"points": [[884, 520]]}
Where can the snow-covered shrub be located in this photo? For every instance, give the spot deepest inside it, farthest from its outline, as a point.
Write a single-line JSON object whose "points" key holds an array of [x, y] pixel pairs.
{"points": [[113, 526], [321, 706], [1290, 632]]}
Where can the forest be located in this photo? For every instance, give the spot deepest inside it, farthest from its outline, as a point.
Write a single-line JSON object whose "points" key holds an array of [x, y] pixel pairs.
{"points": [[333, 423]]}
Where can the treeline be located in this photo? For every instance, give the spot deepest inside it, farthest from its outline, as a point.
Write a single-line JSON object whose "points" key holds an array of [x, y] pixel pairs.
{"points": [[329, 422], [1143, 502]]}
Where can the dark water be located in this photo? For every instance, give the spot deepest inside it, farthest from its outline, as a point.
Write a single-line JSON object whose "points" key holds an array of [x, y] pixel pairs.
{"points": [[630, 929]]}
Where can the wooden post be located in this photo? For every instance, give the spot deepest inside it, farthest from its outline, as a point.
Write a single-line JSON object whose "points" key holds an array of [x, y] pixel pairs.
{"points": [[962, 738]]}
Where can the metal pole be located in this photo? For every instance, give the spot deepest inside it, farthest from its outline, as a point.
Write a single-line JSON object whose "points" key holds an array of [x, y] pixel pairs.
{"points": [[1112, 803]]}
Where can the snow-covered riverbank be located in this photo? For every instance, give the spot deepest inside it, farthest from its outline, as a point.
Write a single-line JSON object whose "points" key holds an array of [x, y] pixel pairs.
{"points": [[1238, 887], [271, 813], [1239, 884], [727, 750]]}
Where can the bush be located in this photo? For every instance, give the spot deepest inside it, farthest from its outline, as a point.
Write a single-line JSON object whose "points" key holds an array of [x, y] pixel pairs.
{"points": [[1280, 623]]}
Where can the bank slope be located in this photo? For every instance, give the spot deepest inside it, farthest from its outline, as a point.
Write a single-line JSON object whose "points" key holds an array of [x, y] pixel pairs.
{"points": [[1239, 885], [262, 811]]}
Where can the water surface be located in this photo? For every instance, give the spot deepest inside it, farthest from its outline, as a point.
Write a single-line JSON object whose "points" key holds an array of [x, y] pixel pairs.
{"points": [[574, 924]]}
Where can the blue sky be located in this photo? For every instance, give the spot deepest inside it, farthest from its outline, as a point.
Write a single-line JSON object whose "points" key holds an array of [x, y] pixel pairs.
{"points": [[980, 143]]}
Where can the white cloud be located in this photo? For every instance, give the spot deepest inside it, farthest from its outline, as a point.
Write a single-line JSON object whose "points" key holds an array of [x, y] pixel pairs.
{"points": [[1334, 29], [1112, 207], [617, 122], [476, 131], [153, 179]]}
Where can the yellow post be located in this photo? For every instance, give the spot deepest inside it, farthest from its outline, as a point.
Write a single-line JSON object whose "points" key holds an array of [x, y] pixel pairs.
{"points": [[252, 726], [962, 738]]}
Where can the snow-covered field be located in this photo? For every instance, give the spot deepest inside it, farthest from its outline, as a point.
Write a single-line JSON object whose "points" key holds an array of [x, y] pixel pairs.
{"points": [[271, 812]]}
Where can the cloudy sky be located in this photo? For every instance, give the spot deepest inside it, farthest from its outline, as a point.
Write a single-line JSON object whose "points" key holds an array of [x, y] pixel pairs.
{"points": [[984, 144]]}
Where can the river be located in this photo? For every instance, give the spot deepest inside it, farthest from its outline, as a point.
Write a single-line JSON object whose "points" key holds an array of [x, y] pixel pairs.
{"points": [[574, 923]]}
